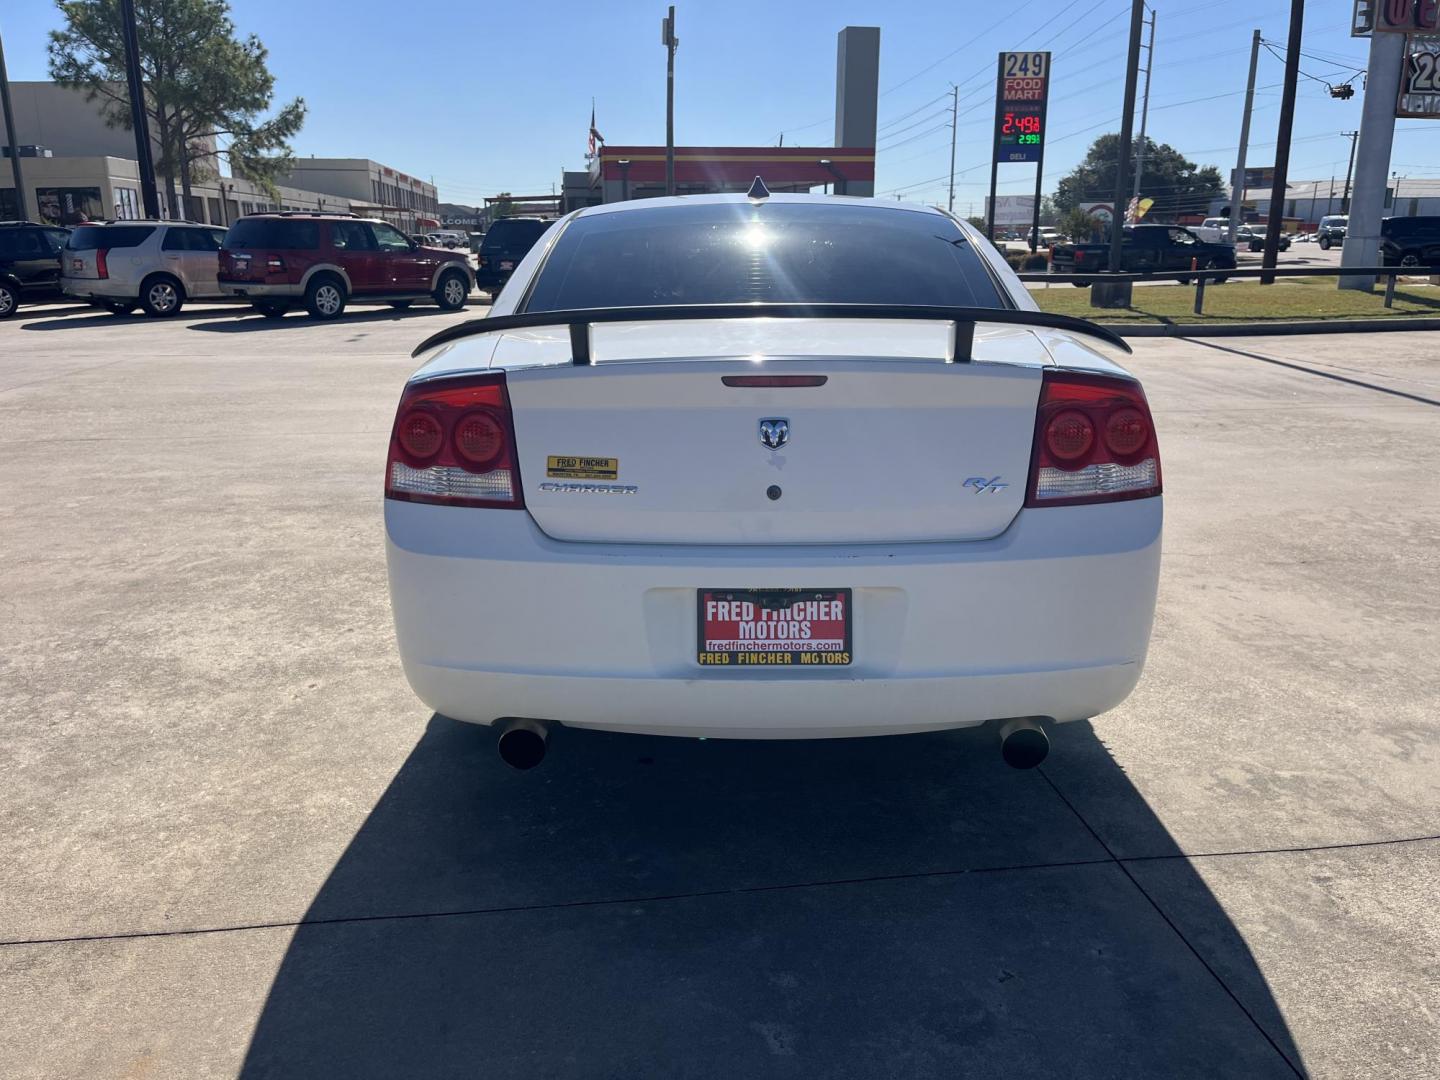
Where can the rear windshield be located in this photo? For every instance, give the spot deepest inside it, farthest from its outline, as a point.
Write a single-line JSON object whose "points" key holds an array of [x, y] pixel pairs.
{"points": [[514, 237], [90, 237], [718, 253], [275, 234]]}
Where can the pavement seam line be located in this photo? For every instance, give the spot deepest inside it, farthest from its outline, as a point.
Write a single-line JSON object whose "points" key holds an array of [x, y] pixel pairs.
{"points": [[661, 898], [1175, 929], [1316, 371]]}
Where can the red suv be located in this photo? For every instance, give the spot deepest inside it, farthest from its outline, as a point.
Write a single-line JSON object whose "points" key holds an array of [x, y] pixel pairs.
{"points": [[279, 261]]}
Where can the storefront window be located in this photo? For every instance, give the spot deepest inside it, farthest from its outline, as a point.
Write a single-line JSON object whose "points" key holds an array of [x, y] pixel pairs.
{"points": [[69, 205], [127, 204]]}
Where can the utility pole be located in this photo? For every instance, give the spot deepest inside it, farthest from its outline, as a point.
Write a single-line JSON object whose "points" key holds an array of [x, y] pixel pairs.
{"points": [[10, 140], [670, 41], [1127, 126], [1237, 184], [1282, 142], [1349, 171], [139, 117], [1145, 107], [954, 115]]}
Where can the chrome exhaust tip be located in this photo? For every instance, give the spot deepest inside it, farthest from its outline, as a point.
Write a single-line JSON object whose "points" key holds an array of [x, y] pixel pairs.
{"points": [[522, 742], [1023, 742]]}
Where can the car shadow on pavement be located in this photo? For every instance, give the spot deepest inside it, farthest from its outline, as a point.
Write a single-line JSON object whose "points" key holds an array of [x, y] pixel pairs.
{"points": [[244, 320], [641, 907], [86, 317]]}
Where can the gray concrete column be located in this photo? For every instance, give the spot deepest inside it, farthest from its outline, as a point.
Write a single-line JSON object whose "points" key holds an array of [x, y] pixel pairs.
{"points": [[1372, 159]]}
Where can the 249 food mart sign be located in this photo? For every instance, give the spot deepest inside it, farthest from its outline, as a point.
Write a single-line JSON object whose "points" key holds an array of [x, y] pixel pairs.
{"points": [[1420, 78], [1022, 90]]}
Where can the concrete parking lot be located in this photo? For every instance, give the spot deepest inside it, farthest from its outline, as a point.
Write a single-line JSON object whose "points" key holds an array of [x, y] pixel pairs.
{"points": [[232, 843]]}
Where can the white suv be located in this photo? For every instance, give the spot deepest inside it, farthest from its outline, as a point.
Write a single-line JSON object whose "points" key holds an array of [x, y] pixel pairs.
{"points": [[155, 264]]}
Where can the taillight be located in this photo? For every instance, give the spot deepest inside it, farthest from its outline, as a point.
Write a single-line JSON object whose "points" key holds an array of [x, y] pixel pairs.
{"points": [[454, 443], [101, 269], [1094, 442], [480, 261], [275, 264]]}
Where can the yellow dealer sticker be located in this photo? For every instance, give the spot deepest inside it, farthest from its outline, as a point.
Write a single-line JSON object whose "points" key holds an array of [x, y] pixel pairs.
{"points": [[582, 468]]}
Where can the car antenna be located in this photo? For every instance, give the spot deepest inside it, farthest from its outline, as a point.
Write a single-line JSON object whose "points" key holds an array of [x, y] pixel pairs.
{"points": [[758, 191]]}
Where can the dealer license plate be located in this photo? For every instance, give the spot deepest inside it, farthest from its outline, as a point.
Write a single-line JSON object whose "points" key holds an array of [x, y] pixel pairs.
{"points": [[773, 627], [507, 266]]}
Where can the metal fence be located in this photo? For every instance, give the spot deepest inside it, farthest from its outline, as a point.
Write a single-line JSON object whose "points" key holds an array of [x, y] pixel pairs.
{"points": [[1200, 277]]}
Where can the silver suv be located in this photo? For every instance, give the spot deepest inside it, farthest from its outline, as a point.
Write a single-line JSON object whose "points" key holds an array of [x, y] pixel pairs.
{"points": [[155, 264]]}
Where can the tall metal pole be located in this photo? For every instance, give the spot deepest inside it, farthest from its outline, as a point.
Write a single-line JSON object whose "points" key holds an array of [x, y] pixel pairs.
{"points": [[995, 152], [1237, 185], [670, 42], [139, 118], [1282, 141], [954, 115], [10, 140], [1145, 107], [1127, 126], [1372, 158], [1349, 171]]}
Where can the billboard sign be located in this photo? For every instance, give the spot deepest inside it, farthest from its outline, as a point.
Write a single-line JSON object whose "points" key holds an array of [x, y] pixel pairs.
{"points": [[1013, 209], [1022, 91], [1395, 17], [1420, 78]]}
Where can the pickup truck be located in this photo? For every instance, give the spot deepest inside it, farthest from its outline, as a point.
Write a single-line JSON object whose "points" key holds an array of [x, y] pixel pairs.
{"points": [[1146, 247]]}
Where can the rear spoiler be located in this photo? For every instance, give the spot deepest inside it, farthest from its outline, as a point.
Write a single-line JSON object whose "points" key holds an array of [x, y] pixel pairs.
{"points": [[963, 319]]}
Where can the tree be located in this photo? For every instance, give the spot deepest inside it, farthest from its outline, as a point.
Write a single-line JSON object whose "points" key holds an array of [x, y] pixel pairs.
{"points": [[202, 84], [1177, 185], [1079, 226]]}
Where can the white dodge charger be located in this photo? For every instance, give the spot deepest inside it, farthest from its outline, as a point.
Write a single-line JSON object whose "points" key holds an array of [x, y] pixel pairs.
{"points": [[771, 466]]}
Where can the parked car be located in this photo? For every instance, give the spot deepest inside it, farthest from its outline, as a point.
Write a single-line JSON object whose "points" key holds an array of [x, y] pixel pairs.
{"points": [[1410, 241], [29, 263], [323, 261], [158, 265], [1146, 247], [1252, 237], [1048, 237], [806, 515], [448, 238], [1332, 230], [506, 242]]}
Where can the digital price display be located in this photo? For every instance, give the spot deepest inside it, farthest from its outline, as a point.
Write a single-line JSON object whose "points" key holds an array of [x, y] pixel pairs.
{"points": [[1022, 89]]}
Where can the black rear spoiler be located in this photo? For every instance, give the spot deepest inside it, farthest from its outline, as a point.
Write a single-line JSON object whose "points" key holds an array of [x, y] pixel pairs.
{"points": [[579, 320]]}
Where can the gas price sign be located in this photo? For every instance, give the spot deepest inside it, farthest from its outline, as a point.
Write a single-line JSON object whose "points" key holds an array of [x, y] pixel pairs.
{"points": [[1022, 90]]}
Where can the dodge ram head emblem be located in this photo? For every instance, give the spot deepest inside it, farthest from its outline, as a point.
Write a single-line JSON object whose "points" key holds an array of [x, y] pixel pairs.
{"points": [[774, 431]]}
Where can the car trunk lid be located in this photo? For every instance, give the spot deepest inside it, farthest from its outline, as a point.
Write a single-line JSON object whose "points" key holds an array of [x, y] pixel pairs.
{"points": [[652, 444]]}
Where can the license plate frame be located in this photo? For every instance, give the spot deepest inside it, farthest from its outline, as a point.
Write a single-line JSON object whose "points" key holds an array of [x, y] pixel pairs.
{"points": [[774, 652]]}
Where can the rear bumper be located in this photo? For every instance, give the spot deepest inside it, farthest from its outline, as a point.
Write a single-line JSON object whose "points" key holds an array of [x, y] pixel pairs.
{"points": [[494, 619], [99, 289]]}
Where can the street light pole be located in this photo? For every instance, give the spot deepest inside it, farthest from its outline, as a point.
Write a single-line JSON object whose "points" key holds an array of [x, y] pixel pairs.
{"points": [[670, 41], [1145, 108], [1237, 185], [139, 118], [15, 169]]}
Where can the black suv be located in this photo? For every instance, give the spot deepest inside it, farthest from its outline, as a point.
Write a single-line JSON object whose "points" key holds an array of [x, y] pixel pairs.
{"points": [[29, 263], [506, 242], [1410, 241]]}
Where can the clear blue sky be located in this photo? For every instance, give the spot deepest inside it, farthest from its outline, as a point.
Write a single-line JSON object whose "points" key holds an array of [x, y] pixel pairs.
{"points": [[491, 96]]}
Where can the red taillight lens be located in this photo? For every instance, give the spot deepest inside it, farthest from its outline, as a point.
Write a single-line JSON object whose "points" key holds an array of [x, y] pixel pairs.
{"points": [[480, 261], [419, 434], [1069, 435], [454, 443], [1094, 442], [479, 439], [102, 269]]}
